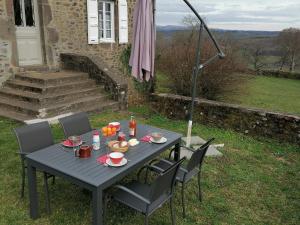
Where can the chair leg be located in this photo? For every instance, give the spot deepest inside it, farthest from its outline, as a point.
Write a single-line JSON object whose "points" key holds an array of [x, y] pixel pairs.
{"points": [[105, 201], [146, 176], [183, 199], [146, 220], [199, 188], [172, 211], [47, 193], [23, 182]]}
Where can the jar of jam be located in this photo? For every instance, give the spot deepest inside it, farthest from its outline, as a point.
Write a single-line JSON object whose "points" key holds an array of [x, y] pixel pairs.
{"points": [[121, 136]]}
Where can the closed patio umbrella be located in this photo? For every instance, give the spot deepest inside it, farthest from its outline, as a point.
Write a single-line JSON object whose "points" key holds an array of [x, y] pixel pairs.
{"points": [[143, 45]]}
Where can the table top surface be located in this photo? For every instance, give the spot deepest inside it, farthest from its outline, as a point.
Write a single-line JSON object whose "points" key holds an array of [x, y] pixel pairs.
{"points": [[89, 170]]}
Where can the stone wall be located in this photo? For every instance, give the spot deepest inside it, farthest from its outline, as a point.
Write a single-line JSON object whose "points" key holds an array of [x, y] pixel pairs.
{"points": [[2, 8], [280, 74], [249, 121], [114, 82], [5, 55], [63, 30], [7, 38]]}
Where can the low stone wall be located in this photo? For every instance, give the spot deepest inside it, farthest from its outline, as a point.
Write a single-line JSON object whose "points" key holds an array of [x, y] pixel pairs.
{"points": [[249, 121], [280, 74], [114, 82]]}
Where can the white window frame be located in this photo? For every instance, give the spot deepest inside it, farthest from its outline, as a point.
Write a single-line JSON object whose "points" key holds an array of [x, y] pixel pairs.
{"points": [[112, 28]]}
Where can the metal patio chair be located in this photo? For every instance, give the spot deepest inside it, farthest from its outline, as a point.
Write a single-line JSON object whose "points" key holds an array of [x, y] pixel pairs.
{"points": [[185, 173], [32, 138], [76, 124], [147, 198]]}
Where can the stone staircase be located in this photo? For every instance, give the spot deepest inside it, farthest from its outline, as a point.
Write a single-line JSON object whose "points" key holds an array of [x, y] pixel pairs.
{"points": [[41, 94]]}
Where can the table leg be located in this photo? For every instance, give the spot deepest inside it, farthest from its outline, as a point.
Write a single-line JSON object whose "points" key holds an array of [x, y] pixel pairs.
{"points": [[33, 195], [177, 152], [97, 207]]}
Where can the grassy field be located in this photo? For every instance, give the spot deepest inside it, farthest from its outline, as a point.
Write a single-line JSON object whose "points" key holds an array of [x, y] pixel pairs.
{"points": [[275, 94], [270, 93], [255, 182]]}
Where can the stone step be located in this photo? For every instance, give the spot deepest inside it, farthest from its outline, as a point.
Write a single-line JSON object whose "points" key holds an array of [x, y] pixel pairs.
{"points": [[70, 95], [75, 105], [38, 68], [35, 110], [51, 78], [19, 106], [14, 115], [47, 89], [15, 94], [49, 99], [33, 95]]}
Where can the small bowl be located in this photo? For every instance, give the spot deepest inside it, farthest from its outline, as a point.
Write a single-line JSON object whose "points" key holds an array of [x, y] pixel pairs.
{"points": [[116, 157], [156, 136], [117, 125]]}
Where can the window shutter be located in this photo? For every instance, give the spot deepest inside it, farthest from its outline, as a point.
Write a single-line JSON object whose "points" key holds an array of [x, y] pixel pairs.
{"points": [[123, 22], [93, 28]]}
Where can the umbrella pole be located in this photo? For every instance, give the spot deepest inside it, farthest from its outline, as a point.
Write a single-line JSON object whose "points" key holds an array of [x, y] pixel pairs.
{"points": [[196, 72]]}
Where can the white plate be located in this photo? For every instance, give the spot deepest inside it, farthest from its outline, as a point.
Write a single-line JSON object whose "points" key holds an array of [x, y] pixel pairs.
{"points": [[122, 163], [136, 143], [161, 141]]}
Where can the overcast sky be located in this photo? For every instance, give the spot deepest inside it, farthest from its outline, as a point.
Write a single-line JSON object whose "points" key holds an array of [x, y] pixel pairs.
{"points": [[271, 15]]}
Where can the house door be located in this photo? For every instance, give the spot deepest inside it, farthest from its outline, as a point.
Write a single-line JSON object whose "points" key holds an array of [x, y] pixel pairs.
{"points": [[28, 32]]}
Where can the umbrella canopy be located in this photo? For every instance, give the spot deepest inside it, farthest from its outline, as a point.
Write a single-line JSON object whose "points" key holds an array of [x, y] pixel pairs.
{"points": [[143, 45]]}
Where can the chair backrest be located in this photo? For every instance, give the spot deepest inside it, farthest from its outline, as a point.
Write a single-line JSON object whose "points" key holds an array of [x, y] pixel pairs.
{"points": [[34, 137], [76, 124], [164, 183], [198, 156]]}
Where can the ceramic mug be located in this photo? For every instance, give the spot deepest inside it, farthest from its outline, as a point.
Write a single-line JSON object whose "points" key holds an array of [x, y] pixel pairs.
{"points": [[84, 151]]}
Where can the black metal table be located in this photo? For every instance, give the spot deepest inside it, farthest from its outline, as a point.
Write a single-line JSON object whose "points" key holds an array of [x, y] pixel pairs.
{"points": [[88, 173]]}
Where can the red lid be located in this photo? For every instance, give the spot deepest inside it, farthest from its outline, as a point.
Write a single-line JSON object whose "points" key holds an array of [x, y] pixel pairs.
{"points": [[96, 132]]}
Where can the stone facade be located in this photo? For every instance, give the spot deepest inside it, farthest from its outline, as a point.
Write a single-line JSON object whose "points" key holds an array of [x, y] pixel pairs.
{"points": [[63, 25], [249, 121], [7, 38]]}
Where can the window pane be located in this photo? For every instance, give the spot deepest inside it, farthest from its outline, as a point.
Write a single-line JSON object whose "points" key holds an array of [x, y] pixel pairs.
{"points": [[107, 7], [18, 13], [29, 13], [105, 19], [101, 24], [108, 16], [108, 25], [101, 20], [108, 33]]}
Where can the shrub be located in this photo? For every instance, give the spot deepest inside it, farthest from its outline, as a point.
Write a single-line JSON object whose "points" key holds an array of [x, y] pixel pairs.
{"points": [[177, 60]]}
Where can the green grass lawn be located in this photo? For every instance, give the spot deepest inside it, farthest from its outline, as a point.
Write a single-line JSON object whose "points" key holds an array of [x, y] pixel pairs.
{"points": [[277, 94], [255, 182], [270, 93]]}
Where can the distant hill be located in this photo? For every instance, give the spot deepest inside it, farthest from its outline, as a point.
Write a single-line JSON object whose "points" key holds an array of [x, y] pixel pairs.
{"points": [[170, 29]]}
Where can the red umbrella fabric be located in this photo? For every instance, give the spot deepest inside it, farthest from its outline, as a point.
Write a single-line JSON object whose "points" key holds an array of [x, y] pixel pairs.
{"points": [[143, 45]]}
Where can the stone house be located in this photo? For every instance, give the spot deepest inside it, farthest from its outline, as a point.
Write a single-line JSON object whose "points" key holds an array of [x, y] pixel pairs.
{"points": [[63, 56], [36, 32]]}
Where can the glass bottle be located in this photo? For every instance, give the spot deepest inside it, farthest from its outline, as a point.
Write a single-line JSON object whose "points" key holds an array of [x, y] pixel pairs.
{"points": [[132, 127], [96, 140]]}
